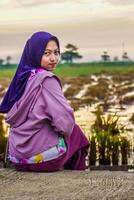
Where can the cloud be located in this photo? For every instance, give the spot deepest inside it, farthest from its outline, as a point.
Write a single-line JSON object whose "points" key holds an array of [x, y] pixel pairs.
{"points": [[25, 3], [32, 3], [93, 26], [28, 3], [120, 2]]}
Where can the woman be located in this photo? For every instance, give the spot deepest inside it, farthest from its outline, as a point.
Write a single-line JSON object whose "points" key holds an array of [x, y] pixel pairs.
{"points": [[43, 135]]}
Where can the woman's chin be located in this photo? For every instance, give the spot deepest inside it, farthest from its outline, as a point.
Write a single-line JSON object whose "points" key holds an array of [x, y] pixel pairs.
{"points": [[52, 69], [49, 68]]}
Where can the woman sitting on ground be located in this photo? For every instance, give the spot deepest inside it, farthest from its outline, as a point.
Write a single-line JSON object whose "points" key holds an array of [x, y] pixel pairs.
{"points": [[43, 136]]}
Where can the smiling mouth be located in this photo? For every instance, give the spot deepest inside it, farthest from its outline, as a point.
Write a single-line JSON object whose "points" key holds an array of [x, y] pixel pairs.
{"points": [[52, 64]]}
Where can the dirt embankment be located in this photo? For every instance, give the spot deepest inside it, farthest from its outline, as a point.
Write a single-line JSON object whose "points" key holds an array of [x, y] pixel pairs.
{"points": [[66, 185]]}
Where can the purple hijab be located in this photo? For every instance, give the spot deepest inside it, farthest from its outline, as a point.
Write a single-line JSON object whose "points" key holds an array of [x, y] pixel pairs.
{"points": [[31, 59]]}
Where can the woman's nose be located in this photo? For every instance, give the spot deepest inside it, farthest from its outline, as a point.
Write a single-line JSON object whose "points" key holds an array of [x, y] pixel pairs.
{"points": [[52, 57]]}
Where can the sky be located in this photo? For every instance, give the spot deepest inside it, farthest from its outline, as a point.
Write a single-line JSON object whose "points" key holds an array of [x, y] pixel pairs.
{"points": [[94, 26]]}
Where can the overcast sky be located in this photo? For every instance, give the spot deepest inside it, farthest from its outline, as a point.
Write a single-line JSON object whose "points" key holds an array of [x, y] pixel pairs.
{"points": [[93, 26]]}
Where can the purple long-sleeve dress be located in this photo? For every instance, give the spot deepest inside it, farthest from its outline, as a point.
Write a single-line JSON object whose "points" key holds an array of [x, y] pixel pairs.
{"points": [[37, 120]]}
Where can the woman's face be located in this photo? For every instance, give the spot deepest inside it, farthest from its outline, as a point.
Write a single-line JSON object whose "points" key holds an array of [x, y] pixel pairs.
{"points": [[51, 56]]}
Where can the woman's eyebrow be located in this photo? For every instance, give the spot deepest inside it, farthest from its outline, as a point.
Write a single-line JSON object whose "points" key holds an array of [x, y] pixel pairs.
{"points": [[51, 50]]}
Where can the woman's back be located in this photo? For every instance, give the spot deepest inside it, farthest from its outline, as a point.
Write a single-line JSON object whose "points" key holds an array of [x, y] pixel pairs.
{"points": [[31, 118]]}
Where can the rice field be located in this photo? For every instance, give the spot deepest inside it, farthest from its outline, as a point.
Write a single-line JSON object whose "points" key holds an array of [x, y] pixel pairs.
{"points": [[87, 86], [76, 69]]}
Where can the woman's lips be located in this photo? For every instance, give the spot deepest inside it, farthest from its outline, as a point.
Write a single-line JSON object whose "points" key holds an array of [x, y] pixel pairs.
{"points": [[52, 64]]}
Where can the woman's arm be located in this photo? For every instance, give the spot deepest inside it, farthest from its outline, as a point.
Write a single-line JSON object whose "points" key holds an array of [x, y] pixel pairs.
{"points": [[57, 108]]}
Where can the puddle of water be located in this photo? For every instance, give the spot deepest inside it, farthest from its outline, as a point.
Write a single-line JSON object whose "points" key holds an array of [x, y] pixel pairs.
{"points": [[65, 87], [82, 91], [128, 94], [85, 118]]}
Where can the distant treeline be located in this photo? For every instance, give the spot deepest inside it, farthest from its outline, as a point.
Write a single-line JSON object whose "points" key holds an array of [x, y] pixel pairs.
{"points": [[71, 54], [83, 64], [99, 63], [5, 66]]}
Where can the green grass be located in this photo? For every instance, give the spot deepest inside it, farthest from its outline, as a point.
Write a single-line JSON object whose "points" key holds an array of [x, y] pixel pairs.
{"points": [[94, 68], [7, 73], [79, 69], [73, 71]]}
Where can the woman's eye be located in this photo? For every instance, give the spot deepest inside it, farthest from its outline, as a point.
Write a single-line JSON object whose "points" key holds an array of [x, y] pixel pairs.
{"points": [[49, 53], [46, 53], [57, 52]]}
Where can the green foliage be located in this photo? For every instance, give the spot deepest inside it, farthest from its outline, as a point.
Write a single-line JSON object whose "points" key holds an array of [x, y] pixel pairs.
{"points": [[103, 139], [107, 123], [93, 151], [3, 139], [125, 150], [8, 59], [1, 61], [105, 57], [107, 132], [115, 149], [7, 73], [70, 53], [74, 69]]}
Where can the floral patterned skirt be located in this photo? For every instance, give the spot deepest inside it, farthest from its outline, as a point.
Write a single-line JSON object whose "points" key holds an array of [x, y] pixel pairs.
{"points": [[50, 154]]}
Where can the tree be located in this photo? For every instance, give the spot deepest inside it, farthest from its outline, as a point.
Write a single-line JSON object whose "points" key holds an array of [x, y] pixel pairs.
{"points": [[1, 61], [125, 57], [70, 54], [8, 59], [115, 59], [105, 57]]}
